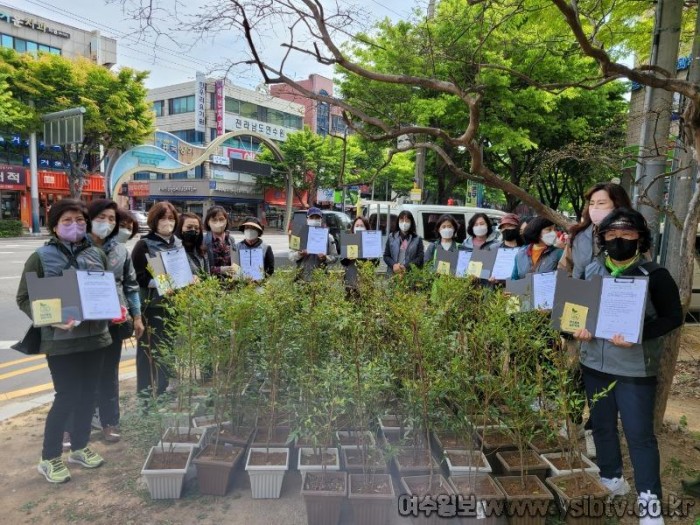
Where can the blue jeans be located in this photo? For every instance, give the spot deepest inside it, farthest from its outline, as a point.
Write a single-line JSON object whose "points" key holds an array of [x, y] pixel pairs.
{"points": [[635, 403]]}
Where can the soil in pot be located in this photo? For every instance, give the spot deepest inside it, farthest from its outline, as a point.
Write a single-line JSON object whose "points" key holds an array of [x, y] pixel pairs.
{"points": [[520, 488], [492, 440], [415, 461], [172, 436], [564, 463], [482, 486], [371, 484], [453, 441], [357, 460], [530, 462], [168, 460], [324, 493], [259, 458], [240, 436], [220, 453], [309, 457], [466, 458], [280, 437], [579, 486], [545, 444], [214, 467], [354, 438]]}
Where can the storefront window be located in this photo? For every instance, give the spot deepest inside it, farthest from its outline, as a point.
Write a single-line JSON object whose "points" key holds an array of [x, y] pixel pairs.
{"points": [[9, 204]]}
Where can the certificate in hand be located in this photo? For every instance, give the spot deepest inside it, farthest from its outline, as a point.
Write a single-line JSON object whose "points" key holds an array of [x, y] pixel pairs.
{"points": [[98, 295], [622, 306], [463, 259], [372, 244], [505, 261], [252, 264], [177, 267], [317, 243], [543, 288]]}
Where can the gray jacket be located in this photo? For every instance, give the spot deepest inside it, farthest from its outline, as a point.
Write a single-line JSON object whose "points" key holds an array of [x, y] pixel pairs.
{"points": [[584, 249], [547, 262], [392, 250], [430, 256], [641, 360], [491, 240], [119, 263]]}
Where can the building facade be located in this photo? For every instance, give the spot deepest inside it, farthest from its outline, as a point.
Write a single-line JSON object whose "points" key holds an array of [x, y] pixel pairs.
{"points": [[189, 116], [30, 33]]}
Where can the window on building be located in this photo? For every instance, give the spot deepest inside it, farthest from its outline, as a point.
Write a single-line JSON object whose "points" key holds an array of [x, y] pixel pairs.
{"points": [[54, 51], [32, 47], [44, 48], [231, 105], [249, 110], [20, 45], [212, 101], [7, 41], [212, 134], [190, 135], [159, 108], [181, 105]]}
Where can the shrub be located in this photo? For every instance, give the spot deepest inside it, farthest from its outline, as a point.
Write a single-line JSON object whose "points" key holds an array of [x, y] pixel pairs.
{"points": [[11, 228]]}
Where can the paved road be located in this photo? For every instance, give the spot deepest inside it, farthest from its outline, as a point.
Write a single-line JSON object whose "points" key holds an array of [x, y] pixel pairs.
{"points": [[25, 377]]}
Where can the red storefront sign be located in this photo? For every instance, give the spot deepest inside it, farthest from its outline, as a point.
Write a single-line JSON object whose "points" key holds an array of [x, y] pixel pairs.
{"points": [[277, 197], [219, 107], [12, 177], [55, 180], [139, 189]]}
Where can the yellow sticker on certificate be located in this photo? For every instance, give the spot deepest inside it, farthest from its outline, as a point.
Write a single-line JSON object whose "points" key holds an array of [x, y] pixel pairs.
{"points": [[295, 243], [443, 268], [353, 251], [46, 311], [474, 268], [573, 317]]}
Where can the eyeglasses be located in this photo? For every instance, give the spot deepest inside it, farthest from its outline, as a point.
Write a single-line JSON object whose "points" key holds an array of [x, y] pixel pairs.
{"points": [[77, 220]]}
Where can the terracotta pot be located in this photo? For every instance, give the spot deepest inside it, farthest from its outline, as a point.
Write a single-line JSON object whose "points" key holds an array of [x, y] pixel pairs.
{"points": [[323, 505], [371, 508], [535, 496], [488, 499], [512, 463], [581, 497], [214, 467]]}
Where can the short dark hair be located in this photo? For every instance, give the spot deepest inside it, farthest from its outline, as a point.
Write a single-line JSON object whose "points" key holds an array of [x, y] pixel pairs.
{"points": [[534, 228], [476, 217], [158, 211], [450, 219], [634, 218], [181, 222], [61, 207], [98, 206], [404, 214], [126, 216], [214, 211], [364, 221]]}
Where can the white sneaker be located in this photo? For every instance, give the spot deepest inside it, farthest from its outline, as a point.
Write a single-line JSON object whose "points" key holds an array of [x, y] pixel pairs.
{"points": [[616, 486], [590, 444], [649, 508]]}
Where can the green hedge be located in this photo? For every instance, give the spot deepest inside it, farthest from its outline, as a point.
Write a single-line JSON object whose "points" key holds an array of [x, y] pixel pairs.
{"points": [[11, 228]]}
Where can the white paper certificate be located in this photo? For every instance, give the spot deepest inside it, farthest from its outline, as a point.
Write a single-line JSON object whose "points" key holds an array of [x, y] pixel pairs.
{"points": [[544, 285], [372, 244], [252, 263], [622, 304], [463, 258], [317, 242], [177, 267], [98, 295], [505, 260]]}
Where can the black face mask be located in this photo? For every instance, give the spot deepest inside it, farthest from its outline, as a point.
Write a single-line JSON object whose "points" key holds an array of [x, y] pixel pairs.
{"points": [[510, 235], [622, 249], [190, 237]]}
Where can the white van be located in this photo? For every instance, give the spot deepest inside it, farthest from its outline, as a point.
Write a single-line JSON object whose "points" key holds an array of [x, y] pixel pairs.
{"points": [[426, 217]]}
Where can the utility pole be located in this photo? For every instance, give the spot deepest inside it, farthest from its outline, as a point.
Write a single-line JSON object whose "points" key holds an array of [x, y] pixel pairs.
{"points": [[653, 140], [34, 180]]}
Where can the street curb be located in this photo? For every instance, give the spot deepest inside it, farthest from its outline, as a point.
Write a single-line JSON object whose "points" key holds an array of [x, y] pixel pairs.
{"points": [[20, 407]]}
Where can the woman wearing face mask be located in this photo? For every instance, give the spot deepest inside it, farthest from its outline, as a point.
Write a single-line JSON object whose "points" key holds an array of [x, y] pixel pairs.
{"points": [[74, 350], [624, 236], [480, 233], [162, 218], [128, 226], [404, 247], [218, 241], [189, 230], [252, 231], [509, 227], [446, 229], [358, 226], [539, 255], [307, 262], [582, 247], [104, 218]]}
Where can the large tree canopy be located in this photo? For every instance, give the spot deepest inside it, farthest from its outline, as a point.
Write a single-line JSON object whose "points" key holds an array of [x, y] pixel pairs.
{"points": [[117, 113]]}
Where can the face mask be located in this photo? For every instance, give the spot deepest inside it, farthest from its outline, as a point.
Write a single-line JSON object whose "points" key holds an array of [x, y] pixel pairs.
{"points": [[250, 234], [165, 227], [313, 222], [480, 231], [190, 237], [102, 229], [360, 228], [72, 232], [597, 216], [405, 226], [549, 238], [122, 235], [510, 235], [447, 233], [217, 227], [622, 249]]}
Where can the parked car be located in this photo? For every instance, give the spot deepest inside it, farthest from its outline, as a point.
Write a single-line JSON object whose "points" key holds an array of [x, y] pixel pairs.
{"points": [[336, 222], [142, 219]]}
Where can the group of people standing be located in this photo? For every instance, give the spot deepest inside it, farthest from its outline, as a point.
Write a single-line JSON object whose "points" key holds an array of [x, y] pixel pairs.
{"points": [[611, 240]]}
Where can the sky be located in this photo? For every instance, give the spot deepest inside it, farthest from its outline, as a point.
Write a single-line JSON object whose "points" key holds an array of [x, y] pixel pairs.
{"points": [[176, 55]]}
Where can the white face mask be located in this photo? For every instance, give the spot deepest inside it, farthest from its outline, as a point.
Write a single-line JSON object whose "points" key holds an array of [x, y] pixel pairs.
{"points": [[480, 231], [447, 233], [218, 226], [549, 238], [405, 226], [360, 228], [102, 229], [250, 234], [122, 235], [165, 227], [313, 222]]}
